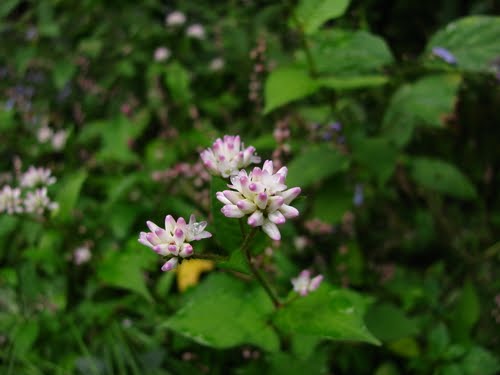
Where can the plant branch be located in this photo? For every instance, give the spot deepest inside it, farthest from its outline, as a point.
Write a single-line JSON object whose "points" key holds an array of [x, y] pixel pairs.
{"points": [[245, 248]]}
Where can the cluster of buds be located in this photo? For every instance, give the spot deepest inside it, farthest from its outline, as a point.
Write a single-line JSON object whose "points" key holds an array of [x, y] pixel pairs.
{"points": [[262, 196], [227, 156], [303, 284], [258, 54], [173, 241], [31, 196]]}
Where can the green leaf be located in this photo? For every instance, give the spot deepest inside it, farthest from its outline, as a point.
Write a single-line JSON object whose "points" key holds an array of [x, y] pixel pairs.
{"points": [[281, 363], [473, 41], [335, 314], [332, 201], [223, 312], [438, 341], [68, 194], [236, 262], [467, 311], [406, 347], [25, 336], [442, 177], [287, 84], [6, 6], [62, 73], [177, 80], [378, 155], [314, 164], [124, 269], [311, 14], [426, 102], [480, 361], [388, 322], [352, 83], [348, 55]]}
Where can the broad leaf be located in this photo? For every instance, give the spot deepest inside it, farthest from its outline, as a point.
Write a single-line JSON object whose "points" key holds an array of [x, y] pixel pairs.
{"points": [[426, 102], [335, 314], [442, 177], [287, 84], [473, 42], [350, 54], [354, 82], [224, 312], [311, 14], [124, 269], [315, 164], [389, 323]]}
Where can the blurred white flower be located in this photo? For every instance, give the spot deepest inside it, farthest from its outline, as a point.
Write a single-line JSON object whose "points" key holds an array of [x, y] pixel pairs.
{"points": [[81, 255], [217, 64], [59, 139], [37, 202], [162, 54], [196, 31], [303, 284], [176, 18], [10, 200], [37, 177], [44, 134]]}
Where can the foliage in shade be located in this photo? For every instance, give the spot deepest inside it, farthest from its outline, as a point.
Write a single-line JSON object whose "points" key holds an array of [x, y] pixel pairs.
{"points": [[473, 41], [311, 14]]}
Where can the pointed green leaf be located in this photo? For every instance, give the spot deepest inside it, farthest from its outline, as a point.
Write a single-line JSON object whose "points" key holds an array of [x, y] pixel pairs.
{"points": [[287, 84], [335, 314], [473, 41], [223, 312], [315, 164], [313, 13], [442, 177], [426, 102]]}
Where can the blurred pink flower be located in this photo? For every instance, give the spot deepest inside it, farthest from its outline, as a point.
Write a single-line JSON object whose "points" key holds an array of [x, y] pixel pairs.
{"points": [[303, 284]]}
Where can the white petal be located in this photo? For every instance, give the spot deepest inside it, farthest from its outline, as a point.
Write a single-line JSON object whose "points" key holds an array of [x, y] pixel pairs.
{"points": [[271, 230]]}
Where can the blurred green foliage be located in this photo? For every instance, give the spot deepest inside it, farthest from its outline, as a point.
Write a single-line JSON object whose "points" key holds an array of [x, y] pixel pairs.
{"points": [[385, 112]]}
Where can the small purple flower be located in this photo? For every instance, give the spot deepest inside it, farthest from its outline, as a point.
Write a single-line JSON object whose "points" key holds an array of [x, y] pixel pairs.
{"points": [[335, 126], [444, 54], [358, 195]]}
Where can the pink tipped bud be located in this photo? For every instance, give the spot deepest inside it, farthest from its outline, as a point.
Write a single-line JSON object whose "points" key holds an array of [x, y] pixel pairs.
{"points": [[179, 233], [170, 265], [277, 217], [315, 282], [187, 251], [172, 248], [232, 210], [288, 211], [252, 187], [256, 219], [290, 194], [275, 203]]}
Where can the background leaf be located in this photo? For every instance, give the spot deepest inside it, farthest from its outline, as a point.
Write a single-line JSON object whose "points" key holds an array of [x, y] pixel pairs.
{"points": [[314, 13]]}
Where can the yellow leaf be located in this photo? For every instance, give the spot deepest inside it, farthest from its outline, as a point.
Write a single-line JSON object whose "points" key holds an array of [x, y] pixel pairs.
{"points": [[189, 272]]}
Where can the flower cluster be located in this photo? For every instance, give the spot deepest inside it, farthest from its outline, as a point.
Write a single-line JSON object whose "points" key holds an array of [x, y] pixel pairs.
{"points": [[31, 196], [303, 284], [173, 241], [262, 196], [227, 156]]}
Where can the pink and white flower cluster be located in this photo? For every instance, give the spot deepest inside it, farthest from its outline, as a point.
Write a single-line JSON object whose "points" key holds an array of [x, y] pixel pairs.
{"points": [[173, 241], [262, 196], [227, 156], [303, 284], [31, 196]]}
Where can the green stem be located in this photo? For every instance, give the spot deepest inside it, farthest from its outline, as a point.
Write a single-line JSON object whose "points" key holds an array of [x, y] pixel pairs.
{"points": [[214, 257], [305, 45], [245, 248]]}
